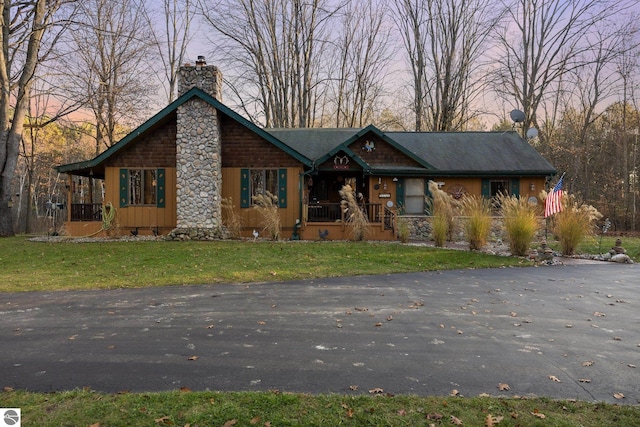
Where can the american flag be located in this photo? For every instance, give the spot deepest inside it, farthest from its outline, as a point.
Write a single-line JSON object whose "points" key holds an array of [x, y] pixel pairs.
{"points": [[553, 202]]}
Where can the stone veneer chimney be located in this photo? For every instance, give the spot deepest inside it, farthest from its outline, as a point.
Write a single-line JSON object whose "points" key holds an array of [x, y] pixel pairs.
{"points": [[198, 162]]}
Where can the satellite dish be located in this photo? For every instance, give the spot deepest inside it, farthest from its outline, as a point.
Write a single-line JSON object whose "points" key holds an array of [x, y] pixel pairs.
{"points": [[532, 133], [517, 116]]}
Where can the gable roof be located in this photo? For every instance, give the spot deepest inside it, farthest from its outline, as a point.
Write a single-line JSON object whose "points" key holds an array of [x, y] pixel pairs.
{"points": [[95, 166]]}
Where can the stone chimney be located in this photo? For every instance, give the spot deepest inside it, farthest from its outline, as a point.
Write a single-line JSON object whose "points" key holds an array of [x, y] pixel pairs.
{"points": [[198, 163]]}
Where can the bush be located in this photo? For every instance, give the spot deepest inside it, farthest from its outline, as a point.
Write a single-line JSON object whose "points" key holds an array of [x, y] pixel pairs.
{"points": [[442, 207], [269, 217], [520, 223], [231, 218], [478, 224], [402, 226], [575, 222], [354, 214]]}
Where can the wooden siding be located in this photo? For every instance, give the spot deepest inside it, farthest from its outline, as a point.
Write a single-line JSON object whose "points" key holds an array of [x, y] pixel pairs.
{"points": [[143, 217], [241, 148], [231, 189], [383, 155], [155, 149]]}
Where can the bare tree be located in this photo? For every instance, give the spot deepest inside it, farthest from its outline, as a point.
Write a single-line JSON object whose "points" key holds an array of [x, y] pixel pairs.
{"points": [[445, 41], [23, 47], [111, 67], [362, 56], [274, 47], [542, 40], [172, 38]]}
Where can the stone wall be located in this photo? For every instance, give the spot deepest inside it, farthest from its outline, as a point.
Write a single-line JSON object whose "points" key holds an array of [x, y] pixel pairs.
{"points": [[420, 229], [198, 159]]}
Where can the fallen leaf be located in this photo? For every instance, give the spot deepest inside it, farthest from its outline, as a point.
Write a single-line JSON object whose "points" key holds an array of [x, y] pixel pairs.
{"points": [[162, 420], [617, 338], [584, 380], [587, 363], [456, 421], [254, 420], [491, 421], [267, 424], [389, 318], [210, 326], [568, 326], [361, 309], [8, 389], [455, 392], [193, 358], [503, 387], [95, 425], [378, 324], [402, 412], [230, 423], [185, 389], [484, 395], [540, 415], [376, 390], [554, 378], [434, 416], [350, 413], [459, 332], [261, 322], [353, 387], [598, 314], [618, 395], [631, 365], [513, 314]]}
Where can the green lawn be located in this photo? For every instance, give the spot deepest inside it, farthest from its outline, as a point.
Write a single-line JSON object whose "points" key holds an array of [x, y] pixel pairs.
{"points": [[31, 266], [34, 266]]}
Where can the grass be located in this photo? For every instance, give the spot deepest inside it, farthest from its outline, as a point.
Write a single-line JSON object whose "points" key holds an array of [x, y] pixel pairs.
{"points": [[36, 266], [184, 408], [30, 266]]}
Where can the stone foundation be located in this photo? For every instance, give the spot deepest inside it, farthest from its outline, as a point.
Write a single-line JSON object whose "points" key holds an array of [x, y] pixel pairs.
{"points": [[182, 234]]}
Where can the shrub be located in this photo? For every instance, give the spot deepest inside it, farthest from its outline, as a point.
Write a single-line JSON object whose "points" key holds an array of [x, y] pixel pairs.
{"points": [[402, 226], [573, 223], [442, 207], [520, 222], [269, 217], [231, 218], [354, 214], [478, 223]]}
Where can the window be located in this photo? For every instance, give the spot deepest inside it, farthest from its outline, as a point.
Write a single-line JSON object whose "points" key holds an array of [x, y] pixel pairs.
{"points": [[414, 196], [142, 186], [499, 187], [263, 181]]}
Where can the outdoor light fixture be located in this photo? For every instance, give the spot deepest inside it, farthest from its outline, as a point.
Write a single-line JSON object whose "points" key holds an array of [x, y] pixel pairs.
{"points": [[395, 179], [532, 187]]}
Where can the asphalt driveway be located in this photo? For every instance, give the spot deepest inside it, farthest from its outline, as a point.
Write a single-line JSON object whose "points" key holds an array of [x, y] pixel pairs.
{"points": [[558, 331]]}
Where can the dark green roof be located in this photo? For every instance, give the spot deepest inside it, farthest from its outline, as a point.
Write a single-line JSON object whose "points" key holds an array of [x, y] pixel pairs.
{"points": [[314, 143], [475, 153]]}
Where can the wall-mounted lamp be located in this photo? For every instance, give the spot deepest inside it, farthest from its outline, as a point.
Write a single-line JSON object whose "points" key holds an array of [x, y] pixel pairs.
{"points": [[395, 179], [384, 186], [532, 187]]}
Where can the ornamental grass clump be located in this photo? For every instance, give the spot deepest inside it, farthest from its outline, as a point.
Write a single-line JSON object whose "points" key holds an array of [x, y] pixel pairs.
{"points": [[477, 226], [231, 218], [443, 208], [520, 222], [575, 222], [354, 215], [268, 214]]}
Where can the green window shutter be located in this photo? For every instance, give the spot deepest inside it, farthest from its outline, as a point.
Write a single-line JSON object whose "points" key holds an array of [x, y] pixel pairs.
{"points": [[160, 188], [124, 188], [400, 194], [245, 197], [486, 188], [515, 187], [282, 188]]}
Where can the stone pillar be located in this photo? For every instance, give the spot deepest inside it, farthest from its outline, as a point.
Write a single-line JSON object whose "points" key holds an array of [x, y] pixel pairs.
{"points": [[198, 163]]}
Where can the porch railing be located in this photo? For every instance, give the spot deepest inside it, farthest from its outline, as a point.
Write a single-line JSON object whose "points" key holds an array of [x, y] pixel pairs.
{"points": [[86, 212], [332, 212]]}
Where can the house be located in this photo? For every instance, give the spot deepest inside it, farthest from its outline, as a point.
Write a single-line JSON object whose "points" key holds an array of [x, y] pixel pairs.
{"points": [[170, 174]]}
